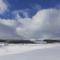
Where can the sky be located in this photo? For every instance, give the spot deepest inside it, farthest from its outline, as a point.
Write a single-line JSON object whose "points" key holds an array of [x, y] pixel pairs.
{"points": [[29, 19]]}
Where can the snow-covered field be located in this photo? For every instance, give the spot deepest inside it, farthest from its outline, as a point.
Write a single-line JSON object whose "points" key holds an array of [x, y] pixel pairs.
{"points": [[30, 52]]}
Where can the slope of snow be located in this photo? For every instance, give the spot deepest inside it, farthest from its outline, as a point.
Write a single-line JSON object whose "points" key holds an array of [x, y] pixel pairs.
{"points": [[30, 52]]}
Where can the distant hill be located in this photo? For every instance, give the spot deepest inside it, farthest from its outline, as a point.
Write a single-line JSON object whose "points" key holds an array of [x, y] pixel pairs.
{"points": [[17, 41], [51, 41], [28, 41]]}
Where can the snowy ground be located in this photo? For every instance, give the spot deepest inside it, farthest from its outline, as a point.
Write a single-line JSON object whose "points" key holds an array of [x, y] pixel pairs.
{"points": [[30, 52]]}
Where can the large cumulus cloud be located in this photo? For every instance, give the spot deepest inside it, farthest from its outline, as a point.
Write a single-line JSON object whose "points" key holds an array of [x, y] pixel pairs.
{"points": [[44, 24]]}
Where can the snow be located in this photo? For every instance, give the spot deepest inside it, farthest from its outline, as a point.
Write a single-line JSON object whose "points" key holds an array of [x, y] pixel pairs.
{"points": [[30, 52]]}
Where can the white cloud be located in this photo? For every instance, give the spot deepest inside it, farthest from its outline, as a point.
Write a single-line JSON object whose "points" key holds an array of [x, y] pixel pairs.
{"points": [[45, 24], [8, 29], [8, 22], [21, 13], [3, 6]]}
